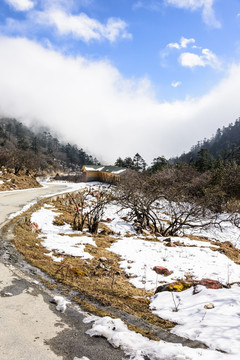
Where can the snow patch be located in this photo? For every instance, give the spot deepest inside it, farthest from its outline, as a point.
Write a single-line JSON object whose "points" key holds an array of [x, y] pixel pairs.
{"points": [[56, 238], [61, 303], [139, 348], [217, 327], [140, 256]]}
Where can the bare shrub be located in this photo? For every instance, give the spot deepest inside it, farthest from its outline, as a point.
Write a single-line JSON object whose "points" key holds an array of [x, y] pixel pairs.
{"points": [[89, 207], [172, 200]]}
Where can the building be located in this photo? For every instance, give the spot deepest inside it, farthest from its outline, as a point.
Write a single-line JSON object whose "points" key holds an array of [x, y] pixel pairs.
{"points": [[107, 174]]}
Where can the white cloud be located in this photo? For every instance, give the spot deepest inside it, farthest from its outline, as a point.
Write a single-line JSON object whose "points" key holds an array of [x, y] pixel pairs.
{"points": [[182, 44], [92, 105], [191, 60], [174, 46], [208, 14], [176, 84], [83, 27], [208, 58], [21, 5]]}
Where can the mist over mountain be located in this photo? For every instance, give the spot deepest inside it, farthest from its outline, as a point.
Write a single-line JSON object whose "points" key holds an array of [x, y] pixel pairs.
{"points": [[36, 149], [223, 146]]}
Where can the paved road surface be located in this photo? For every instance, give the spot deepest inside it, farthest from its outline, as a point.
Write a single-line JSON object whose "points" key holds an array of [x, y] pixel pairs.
{"points": [[30, 326]]}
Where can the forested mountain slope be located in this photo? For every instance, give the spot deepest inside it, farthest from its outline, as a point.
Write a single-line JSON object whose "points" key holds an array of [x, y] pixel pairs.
{"points": [[21, 148], [223, 146]]}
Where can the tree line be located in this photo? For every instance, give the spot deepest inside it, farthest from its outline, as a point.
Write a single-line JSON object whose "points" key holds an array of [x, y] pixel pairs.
{"points": [[23, 149]]}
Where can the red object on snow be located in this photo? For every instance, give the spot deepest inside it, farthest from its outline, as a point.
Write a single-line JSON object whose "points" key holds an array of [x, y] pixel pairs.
{"points": [[108, 220], [161, 270], [211, 284], [35, 227]]}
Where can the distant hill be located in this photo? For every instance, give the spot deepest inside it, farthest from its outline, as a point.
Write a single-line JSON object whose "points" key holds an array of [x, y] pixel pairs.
{"points": [[21, 148], [224, 146]]}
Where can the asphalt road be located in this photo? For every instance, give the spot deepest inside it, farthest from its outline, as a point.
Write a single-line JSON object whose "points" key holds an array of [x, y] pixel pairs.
{"points": [[30, 326]]}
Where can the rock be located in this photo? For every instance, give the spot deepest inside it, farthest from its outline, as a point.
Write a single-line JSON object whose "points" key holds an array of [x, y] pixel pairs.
{"points": [[175, 286], [35, 227], [101, 266], [167, 239], [211, 284], [196, 289], [170, 244], [161, 270], [102, 259], [162, 288], [209, 306], [108, 220]]}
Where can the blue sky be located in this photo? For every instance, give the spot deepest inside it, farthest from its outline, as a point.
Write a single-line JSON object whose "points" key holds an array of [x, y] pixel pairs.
{"points": [[123, 76]]}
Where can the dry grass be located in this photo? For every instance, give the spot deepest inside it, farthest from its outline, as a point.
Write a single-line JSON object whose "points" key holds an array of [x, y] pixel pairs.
{"points": [[15, 182], [228, 249], [98, 279], [100, 282]]}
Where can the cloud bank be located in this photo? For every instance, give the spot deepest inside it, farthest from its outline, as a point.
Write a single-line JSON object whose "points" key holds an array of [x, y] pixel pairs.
{"points": [[21, 5], [82, 26], [182, 44], [208, 14], [207, 58], [91, 104], [58, 15]]}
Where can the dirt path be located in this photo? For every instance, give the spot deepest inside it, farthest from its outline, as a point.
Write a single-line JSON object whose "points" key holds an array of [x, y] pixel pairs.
{"points": [[30, 326]]}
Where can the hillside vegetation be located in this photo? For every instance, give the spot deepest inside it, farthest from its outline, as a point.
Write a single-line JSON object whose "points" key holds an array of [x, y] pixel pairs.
{"points": [[223, 147], [25, 150]]}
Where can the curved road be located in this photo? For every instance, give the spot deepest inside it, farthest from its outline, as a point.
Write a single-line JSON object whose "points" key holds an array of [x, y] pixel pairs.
{"points": [[30, 326]]}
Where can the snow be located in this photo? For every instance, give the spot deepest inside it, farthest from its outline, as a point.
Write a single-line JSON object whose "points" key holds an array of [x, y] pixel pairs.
{"points": [[187, 241], [1, 182], [138, 347], [61, 303], [228, 233], [118, 225], [140, 256], [45, 182], [118, 171], [57, 238], [217, 327], [89, 168], [25, 208]]}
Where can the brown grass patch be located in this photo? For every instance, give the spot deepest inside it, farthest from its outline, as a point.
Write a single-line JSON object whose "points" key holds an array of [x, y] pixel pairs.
{"points": [[99, 278], [20, 181], [228, 249]]}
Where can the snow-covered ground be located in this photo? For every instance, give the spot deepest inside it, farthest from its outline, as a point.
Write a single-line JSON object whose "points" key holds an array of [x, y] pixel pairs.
{"points": [[218, 327], [57, 238], [227, 233], [138, 347], [140, 256]]}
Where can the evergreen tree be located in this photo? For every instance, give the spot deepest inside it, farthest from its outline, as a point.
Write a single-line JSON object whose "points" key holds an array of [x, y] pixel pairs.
{"points": [[128, 163], [158, 164], [204, 161], [139, 163], [119, 162]]}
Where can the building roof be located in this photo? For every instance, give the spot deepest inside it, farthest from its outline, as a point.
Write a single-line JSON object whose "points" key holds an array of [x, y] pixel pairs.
{"points": [[108, 169]]}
